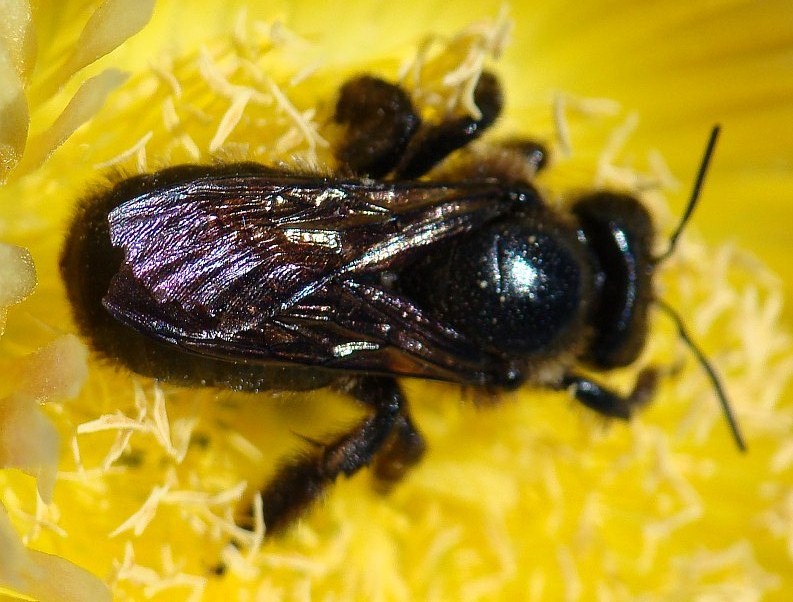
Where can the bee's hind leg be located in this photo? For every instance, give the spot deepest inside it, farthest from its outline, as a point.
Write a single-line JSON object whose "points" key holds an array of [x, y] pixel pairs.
{"points": [[386, 439]]}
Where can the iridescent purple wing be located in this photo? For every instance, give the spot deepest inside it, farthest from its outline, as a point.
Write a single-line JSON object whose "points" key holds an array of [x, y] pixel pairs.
{"points": [[246, 263]]}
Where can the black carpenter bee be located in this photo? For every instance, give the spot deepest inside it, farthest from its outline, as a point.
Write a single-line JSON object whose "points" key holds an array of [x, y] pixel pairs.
{"points": [[253, 278]]}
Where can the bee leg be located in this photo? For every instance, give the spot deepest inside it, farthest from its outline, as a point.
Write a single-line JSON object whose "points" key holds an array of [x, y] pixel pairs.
{"points": [[379, 121], [385, 134], [302, 480], [433, 143], [608, 402], [404, 445], [402, 450]]}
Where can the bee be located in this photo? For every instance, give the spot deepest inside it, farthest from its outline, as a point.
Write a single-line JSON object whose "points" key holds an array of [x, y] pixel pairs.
{"points": [[252, 277]]}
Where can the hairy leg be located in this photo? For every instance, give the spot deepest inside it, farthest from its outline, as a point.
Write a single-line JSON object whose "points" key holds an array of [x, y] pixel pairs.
{"points": [[385, 439], [384, 133]]}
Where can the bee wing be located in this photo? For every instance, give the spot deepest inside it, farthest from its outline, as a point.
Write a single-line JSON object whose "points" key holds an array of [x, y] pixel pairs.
{"points": [[354, 326], [246, 263]]}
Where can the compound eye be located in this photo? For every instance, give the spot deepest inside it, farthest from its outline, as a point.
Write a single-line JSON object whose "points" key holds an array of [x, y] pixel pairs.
{"points": [[619, 233]]}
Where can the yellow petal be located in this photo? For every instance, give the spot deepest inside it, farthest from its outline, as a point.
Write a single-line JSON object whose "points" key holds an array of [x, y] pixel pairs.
{"points": [[44, 577], [17, 275], [17, 36], [85, 104], [13, 116], [111, 24]]}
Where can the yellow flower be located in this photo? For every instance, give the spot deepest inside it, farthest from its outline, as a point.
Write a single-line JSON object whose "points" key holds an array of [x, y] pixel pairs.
{"points": [[532, 498]]}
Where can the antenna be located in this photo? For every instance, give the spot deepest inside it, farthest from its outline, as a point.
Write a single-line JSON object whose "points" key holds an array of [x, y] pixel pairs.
{"points": [[692, 201], [709, 370], [669, 311]]}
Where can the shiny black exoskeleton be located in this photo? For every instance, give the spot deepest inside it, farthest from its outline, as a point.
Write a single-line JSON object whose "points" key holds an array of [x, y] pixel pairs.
{"points": [[536, 283], [249, 277]]}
